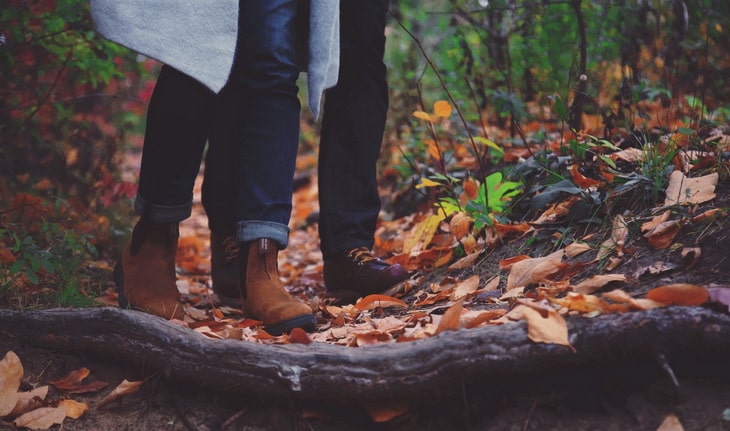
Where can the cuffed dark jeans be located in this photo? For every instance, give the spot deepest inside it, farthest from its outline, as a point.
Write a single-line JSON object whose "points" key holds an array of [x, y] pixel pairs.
{"points": [[264, 129], [352, 130]]}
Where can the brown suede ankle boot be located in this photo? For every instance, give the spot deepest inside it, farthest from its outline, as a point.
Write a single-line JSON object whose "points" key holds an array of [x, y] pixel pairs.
{"points": [[265, 296], [145, 274]]}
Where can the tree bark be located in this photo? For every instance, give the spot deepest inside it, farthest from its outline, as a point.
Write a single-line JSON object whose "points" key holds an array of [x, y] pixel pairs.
{"points": [[323, 371]]}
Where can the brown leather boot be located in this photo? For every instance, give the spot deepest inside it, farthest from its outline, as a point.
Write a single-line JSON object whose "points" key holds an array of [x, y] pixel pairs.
{"points": [[355, 273], [145, 274], [225, 269], [265, 296]]}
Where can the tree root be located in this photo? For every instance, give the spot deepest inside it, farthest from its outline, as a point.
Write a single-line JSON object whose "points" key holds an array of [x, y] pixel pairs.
{"points": [[323, 371]]}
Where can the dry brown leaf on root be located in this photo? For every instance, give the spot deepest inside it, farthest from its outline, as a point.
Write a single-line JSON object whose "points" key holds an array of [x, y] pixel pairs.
{"points": [[530, 271], [679, 294], [11, 373], [596, 282], [451, 320], [123, 389], [620, 296], [551, 329], [684, 190], [30, 400]]}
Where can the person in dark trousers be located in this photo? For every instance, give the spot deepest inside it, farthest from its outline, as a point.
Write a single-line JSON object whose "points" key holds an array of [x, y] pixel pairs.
{"points": [[263, 147], [352, 131]]}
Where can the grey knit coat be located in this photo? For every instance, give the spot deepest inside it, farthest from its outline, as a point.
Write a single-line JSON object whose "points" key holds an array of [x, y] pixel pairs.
{"points": [[198, 37]]}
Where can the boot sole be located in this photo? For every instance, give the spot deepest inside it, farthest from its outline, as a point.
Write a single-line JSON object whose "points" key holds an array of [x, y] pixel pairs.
{"points": [[344, 296], [305, 321]]}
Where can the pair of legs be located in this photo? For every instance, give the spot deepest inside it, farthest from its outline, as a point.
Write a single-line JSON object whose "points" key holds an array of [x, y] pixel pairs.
{"points": [[352, 130], [252, 129], [265, 109]]}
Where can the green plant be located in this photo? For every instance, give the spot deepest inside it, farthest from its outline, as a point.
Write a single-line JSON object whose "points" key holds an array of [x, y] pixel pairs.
{"points": [[44, 253]]}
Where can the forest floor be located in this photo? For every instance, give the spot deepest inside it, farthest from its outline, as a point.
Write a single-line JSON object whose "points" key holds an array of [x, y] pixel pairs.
{"points": [[623, 395]]}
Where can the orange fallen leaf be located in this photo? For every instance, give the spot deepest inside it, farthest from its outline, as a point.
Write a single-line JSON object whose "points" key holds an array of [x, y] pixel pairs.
{"points": [[485, 317], [376, 301], [299, 336], [74, 409], [679, 294], [451, 320], [506, 264], [385, 411], [551, 329]]}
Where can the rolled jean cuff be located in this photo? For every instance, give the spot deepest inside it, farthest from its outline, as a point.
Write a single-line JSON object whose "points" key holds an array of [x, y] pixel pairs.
{"points": [[250, 230], [162, 213]]}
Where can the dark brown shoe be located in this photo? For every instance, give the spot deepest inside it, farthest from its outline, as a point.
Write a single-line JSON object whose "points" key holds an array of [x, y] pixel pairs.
{"points": [[225, 269], [356, 273]]}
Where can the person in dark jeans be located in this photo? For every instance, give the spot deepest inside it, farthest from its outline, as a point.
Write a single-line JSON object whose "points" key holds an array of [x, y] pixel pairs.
{"points": [[263, 149], [352, 131]]}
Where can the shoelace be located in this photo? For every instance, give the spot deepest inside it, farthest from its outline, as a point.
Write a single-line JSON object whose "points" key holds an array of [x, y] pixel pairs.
{"points": [[231, 247], [361, 255]]}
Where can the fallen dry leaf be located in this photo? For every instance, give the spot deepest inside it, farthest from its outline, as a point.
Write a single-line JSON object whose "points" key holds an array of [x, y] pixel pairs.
{"points": [[551, 329], [299, 336], [465, 287], [74, 409], [123, 389], [377, 301], [529, 271], [451, 320], [671, 423], [597, 282], [41, 418], [28, 401], [465, 262], [684, 190], [654, 222], [679, 294], [662, 235], [460, 225], [11, 373], [576, 248], [383, 411]]}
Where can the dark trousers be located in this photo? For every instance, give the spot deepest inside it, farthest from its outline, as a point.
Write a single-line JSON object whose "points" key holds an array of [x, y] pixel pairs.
{"points": [[263, 128], [352, 130]]}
